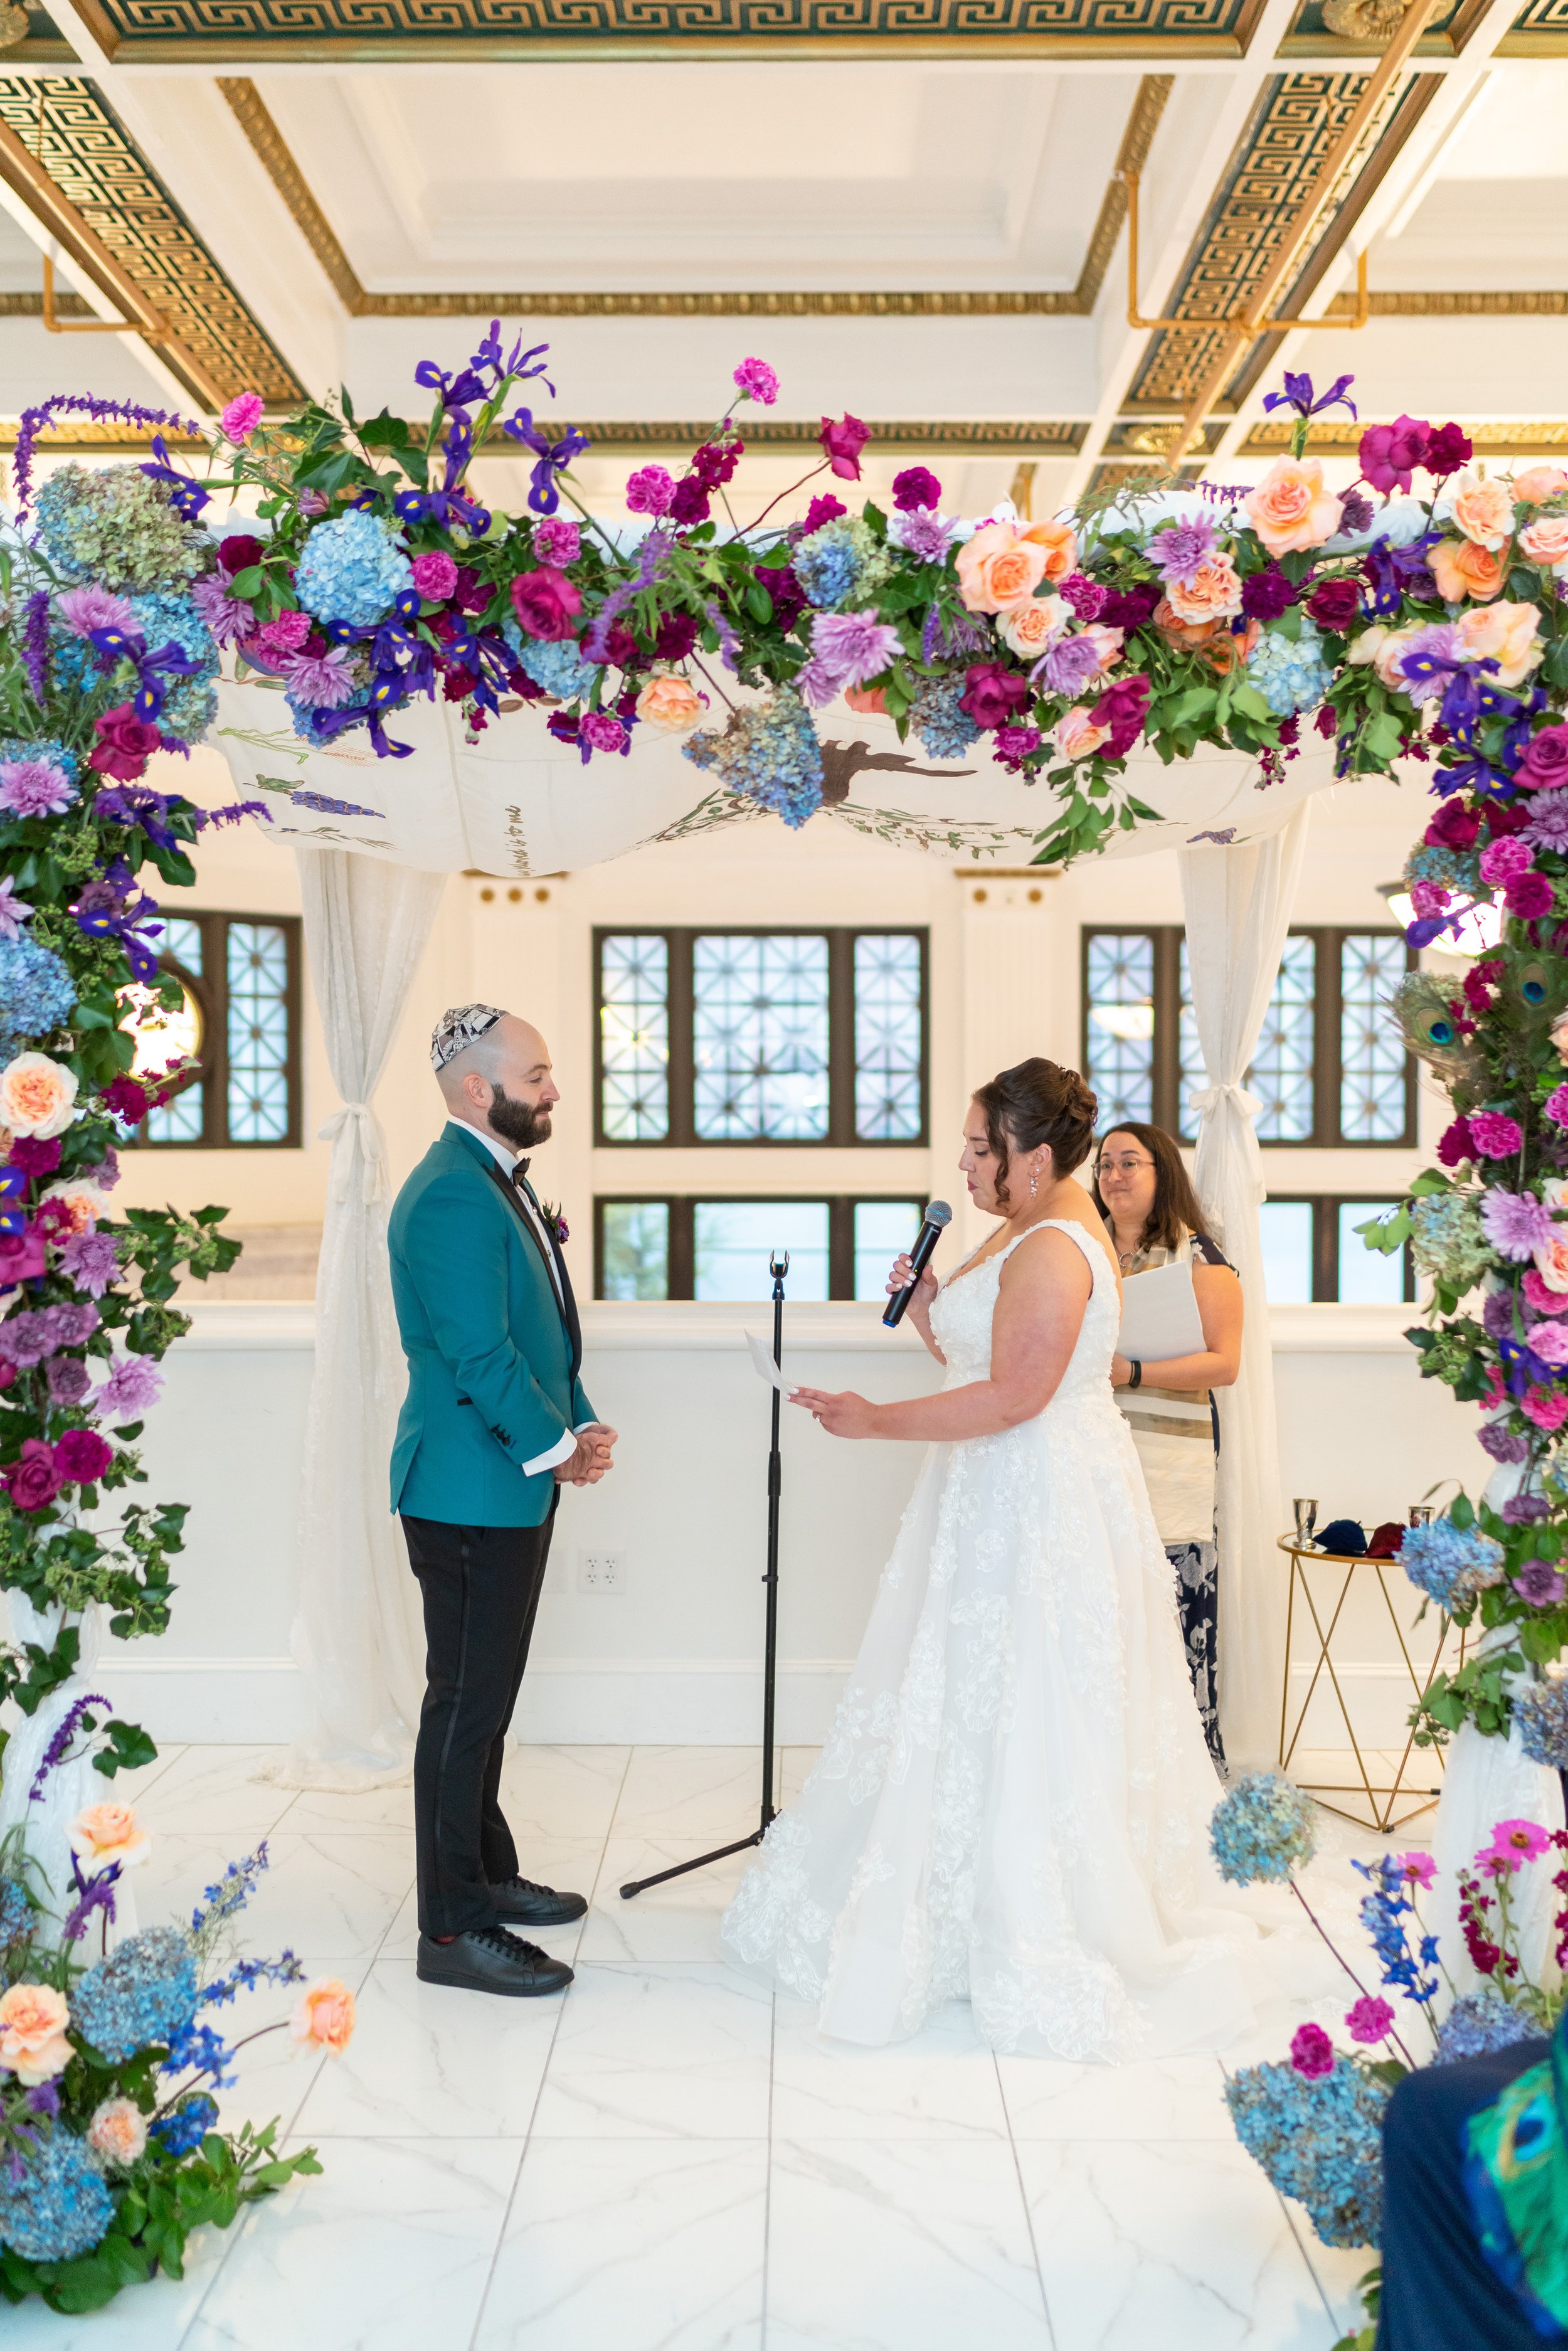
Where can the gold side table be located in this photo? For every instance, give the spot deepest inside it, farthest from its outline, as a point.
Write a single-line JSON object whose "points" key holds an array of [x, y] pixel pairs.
{"points": [[1324, 1609]]}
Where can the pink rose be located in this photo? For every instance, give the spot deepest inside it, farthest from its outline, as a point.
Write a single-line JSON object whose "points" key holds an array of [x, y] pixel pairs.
{"points": [[1539, 483], [1482, 509], [434, 575], [1555, 1106], [1076, 732], [1545, 762], [1391, 453], [32, 2044], [81, 1456], [324, 2017], [1289, 509], [546, 603], [1122, 708], [1213, 593], [992, 693], [842, 445], [125, 744], [1546, 541]]}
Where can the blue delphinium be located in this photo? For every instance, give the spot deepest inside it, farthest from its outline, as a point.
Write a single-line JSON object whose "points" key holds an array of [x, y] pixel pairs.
{"points": [[1451, 1563], [1290, 674], [227, 1898], [35, 991], [553, 663], [53, 754], [1319, 2140], [196, 2048], [182, 2130], [352, 570], [1480, 2023], [142, 1994], [1261, 1828], [191, 704], [1541, 1712], [58, 2206], [943, 729], [839, 563], [1383, 1911], [769, 750]]}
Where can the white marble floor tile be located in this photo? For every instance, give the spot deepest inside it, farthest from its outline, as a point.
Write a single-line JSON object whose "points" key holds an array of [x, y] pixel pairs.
{"points": [[677, 1921], [631, 2245], [908, 2245], [133, 1787], [562, 1792], [942, 2084], [558, 1862], [428, 2061], [274, 2076], [799, 1762], [367, 1810], [659, 2053], [213, 1789], [153, 2317], [691, 1795], [333, 1894], [1158, 2098], [388, 2251], [1180, 2243]]}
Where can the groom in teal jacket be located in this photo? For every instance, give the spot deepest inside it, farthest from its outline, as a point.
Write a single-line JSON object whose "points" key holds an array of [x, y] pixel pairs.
{"points": [[495, 1422]]}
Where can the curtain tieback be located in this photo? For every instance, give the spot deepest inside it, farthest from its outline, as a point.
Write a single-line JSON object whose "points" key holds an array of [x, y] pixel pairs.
{"points": [[361, 1119], [1210, 1098]]}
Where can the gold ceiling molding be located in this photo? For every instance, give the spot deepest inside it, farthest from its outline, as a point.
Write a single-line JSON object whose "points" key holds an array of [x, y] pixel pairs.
{"points": [[68, 157], [84, 437], [1549, 303], [251, 112], [1361, 29], [31, 306], [983, 436], [1532, 437]]}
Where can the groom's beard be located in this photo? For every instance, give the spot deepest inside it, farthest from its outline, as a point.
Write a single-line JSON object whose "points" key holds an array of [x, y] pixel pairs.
{"points": [[515, 1121]]}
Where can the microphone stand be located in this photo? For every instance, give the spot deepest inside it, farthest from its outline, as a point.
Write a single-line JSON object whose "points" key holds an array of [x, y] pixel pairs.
{"points": [[778, 1266]]}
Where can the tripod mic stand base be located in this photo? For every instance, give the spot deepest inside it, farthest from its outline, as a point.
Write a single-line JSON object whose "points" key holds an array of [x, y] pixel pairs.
{"points": [[743, 1844]]}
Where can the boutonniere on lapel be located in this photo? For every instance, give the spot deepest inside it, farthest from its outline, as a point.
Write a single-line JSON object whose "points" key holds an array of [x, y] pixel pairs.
{"points": [[554, 1222]]}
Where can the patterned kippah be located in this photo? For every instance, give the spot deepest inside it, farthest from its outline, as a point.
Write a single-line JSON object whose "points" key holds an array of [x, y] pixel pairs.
{"points": [[458, 1028]]}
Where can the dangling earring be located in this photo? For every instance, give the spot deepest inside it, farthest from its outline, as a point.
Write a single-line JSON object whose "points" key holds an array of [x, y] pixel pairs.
{"points": [[1033, 1182]]}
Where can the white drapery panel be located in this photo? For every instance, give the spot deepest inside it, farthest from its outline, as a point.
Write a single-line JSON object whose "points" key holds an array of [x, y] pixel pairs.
{"points": [[357, 1637], [1238, 905]]}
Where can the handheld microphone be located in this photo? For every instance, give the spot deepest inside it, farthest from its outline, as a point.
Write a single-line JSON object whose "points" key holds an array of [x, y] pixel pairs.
{"points": [[939, 1216]]}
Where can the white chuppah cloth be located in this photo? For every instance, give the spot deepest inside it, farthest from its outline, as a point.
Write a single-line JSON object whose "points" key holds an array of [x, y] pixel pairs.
{"points": [[357, 1637], [71, 1785], [1237, 904]]}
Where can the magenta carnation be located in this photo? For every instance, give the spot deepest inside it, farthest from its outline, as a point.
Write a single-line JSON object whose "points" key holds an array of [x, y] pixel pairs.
{"points": [[599, 732], [1547, 1407], [1370, 2019], [1556, 1106], [81, 1456], [434, 575], [1496, 1136], [1311, 2052], [1529, 898], [650, 491], [754, 379], [1503, 861], [915, 486], [239, 420], [557, 540], [1456, 1143]]}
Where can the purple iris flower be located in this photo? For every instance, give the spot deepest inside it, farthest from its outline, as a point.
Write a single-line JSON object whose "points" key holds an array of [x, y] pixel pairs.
{"points": [[1391, 572], [1297, 394], [154, 671], [184, 493], [554, 457], [13, 1216]]}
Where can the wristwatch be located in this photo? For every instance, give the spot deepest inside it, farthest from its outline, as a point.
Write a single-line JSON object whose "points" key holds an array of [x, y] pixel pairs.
{"points": [[1137, 1379]]}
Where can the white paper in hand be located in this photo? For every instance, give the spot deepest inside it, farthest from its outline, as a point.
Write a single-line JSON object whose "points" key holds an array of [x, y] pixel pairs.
{"points": [[1159, 1315], [766, 1369]]}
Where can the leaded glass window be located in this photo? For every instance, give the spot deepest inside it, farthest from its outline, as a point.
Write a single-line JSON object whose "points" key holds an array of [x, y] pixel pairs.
{"points": [[1120, 1023], [682, 1247], [182, 1120], [759, 1030], [1283, 1074], [634, 1038], [733, 1241], [1372, 1059], [634, 1249], [1194, 1072], [882, 1229], [888, 1038], [257, 1032], [239, 974]]}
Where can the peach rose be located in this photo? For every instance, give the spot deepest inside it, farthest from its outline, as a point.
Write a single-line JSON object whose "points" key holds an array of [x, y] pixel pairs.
{"points": [[84, 1201], [1539, 483], [999, 568], [1029, 629], [1075, 735], [1225, 650], [324, 2017], [1507, 632], [1462, 569], [1482, 509], [1213, 593], [1560, 1037], [866, 698], [1551, 1258], [108, 1833], [1383, 648], [118, 2133], [670, 704], [1546, 541], [1177, 632], [37, 1096], [1291, 509], [1060, 547], [1107, 644], [32, 2044]]}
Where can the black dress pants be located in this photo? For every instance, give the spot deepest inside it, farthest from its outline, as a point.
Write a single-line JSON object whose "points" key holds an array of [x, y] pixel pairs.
{"points": [[480, 1586], [1439, 2292]]}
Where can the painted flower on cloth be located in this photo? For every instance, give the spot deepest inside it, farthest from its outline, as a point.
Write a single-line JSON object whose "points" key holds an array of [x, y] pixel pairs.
{"points": [[1289, 509], [32, 2044], [37, 1096], [108, 1833], [324, 2018]]}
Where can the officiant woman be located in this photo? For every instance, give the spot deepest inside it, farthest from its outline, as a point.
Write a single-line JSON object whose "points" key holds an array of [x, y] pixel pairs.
{"points": [[1143, 1191]]}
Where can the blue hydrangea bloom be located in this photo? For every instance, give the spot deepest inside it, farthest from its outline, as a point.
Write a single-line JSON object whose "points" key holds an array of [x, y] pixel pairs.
{"points": [[769, 750], [554, 665], [1319, 2141], [1451, 1563], [143, 1994], [13, 747], [59, 2208], [839, 563], [1542, 1714], [1291, 675], [15, 1910], [1261, 1828], [182, 2130], [352, 570], [35, 992], [942, 728], [1480, 2022], [191, 702], [1455, 868]]}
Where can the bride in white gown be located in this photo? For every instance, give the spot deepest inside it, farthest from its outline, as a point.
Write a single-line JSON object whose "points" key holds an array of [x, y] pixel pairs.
{"points": [[1012, 1807]]}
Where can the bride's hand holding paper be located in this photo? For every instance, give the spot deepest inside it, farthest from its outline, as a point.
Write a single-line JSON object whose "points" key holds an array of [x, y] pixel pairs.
{"points": [[845, 1415]]}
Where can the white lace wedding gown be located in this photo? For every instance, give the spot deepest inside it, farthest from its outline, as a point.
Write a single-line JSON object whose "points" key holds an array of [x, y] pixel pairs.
{"points": [[1013, 1804]]}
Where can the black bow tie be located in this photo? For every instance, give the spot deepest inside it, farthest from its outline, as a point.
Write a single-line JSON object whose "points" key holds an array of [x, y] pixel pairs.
{"points": [[519, 1172]]}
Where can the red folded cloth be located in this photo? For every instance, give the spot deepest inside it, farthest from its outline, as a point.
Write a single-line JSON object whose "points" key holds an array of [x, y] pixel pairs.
{"points": [[1385, 1539]]}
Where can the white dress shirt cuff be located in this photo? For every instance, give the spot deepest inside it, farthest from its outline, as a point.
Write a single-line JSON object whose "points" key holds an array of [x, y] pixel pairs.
{"points": [[560, 1451]]}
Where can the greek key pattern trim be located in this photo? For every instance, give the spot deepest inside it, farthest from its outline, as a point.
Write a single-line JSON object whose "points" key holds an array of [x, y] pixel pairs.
{"points": [[96, 165], [1491, 438]]}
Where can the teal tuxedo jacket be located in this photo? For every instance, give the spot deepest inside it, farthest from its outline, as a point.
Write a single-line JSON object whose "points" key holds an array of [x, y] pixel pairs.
{"points": [[494, 1353]]}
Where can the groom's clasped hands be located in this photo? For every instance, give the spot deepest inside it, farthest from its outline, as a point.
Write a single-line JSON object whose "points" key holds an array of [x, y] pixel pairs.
{"points": [[593, 1456]]}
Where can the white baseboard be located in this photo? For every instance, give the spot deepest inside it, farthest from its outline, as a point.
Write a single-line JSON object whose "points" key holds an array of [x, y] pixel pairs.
{"points": [[213, 1701]]}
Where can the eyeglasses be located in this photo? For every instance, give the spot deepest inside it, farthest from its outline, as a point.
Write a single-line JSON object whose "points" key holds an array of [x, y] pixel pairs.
{"points": [[1127, 1166]]}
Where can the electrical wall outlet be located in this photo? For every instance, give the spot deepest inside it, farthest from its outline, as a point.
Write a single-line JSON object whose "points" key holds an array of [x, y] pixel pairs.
{"points": [[602, 1571]]}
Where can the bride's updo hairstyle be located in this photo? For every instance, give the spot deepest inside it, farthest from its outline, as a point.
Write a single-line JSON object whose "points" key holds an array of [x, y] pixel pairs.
{"points": [[1038, 1102]]}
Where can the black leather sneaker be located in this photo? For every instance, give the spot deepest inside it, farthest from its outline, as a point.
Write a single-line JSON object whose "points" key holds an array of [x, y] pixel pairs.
{"points": [[520, 1903], [487, 1959]]}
